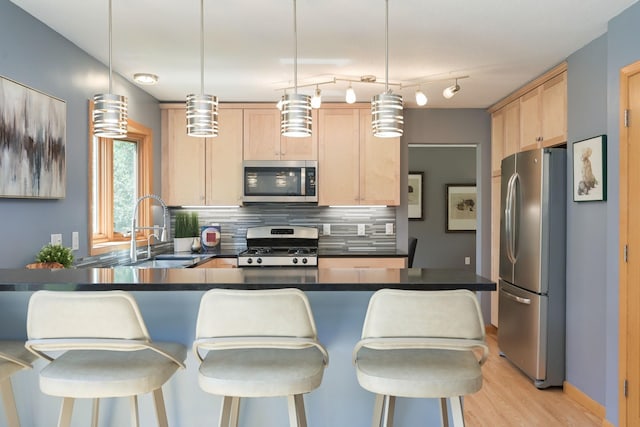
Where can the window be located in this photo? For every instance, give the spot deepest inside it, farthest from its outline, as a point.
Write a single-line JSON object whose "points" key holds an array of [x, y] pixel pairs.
{"points": [[120, 172]]}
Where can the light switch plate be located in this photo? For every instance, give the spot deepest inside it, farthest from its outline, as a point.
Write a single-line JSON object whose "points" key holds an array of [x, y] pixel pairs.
{"points": [[56, 239], [361, 231], [326, 229], [467, 260], [75, 241], [389, 228]]}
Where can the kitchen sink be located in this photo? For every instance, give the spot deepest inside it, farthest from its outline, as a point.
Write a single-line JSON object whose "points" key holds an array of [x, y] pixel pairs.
{"points": [[175, 260]]}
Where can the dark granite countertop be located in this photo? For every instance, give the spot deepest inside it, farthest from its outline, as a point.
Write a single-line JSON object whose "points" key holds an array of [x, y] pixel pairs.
{"points": [[188, 279]]}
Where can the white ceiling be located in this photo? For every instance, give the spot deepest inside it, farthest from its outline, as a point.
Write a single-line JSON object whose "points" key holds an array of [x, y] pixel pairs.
{"points": [[249, 44]]}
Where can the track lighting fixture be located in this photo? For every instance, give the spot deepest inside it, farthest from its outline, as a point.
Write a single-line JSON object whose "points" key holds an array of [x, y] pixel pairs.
{"points": [[110, 110], [350, 95], [451, 90], [316, 99], [421, 98]]}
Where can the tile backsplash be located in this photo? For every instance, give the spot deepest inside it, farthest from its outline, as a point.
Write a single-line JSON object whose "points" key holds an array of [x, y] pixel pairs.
{"points": [[343, 222]]}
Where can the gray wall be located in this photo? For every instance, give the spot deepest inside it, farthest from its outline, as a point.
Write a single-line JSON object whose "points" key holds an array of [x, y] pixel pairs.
{"points": [[586, 255], [36, 56], [441, 165]]}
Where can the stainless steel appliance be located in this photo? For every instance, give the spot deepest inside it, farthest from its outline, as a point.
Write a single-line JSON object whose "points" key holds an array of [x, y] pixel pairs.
{"points": [[531, 312], [285, 246], [280, 181]]}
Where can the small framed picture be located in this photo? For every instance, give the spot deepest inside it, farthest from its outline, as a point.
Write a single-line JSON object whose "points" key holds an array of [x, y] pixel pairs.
{"points": [[590, 169], [416, 196], [461, 208]]}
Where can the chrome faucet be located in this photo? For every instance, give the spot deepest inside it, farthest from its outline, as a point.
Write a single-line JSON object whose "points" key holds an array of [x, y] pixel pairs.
{"points": [[133, 254]]}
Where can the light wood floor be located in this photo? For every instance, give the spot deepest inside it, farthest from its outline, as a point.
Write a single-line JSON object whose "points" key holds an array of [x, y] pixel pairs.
{"points": [[509, 398]]}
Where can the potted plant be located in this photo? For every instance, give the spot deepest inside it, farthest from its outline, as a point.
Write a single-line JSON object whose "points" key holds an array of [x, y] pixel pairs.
{"points": [[187, 228], [53, 256]]}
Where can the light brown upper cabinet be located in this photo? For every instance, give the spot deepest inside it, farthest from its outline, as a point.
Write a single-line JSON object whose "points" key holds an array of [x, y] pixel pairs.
{"points": [[262, 139], [543, 114], [505, 134], [201, 171], [355, 168]]}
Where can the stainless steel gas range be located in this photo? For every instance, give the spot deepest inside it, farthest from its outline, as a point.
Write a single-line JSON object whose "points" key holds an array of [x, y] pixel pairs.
{"points": [[280, 246]]}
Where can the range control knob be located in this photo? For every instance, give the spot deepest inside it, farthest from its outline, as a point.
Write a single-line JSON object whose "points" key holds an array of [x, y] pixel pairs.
{"points": [[249, 261], [304, 260], [259, 260], [295, 260]]}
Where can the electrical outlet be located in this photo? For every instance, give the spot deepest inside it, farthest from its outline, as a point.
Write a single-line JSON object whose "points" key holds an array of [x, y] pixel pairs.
{"points": [[56, 239], [75, 241], [326, 229], [389, 228], [467, 260], [361, 230]]}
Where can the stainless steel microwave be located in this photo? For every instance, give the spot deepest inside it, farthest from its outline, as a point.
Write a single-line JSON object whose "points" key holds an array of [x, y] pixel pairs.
{"points": [[280, 181]]}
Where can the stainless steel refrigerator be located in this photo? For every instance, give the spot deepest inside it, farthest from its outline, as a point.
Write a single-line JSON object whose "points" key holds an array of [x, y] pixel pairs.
{"points": [[531, 311]]}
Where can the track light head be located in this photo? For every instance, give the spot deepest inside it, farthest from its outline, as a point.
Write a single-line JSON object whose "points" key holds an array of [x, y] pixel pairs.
{"points": [[316, 99], [350, 96], [421, 98], [451, 90]]}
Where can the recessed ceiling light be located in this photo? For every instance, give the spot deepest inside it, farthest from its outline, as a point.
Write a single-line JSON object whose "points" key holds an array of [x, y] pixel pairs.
{"points": [[145, 78]]}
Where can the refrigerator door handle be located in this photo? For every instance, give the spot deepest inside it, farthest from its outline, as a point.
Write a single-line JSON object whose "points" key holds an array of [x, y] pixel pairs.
{"points": [[515, 298], [509, 219], [514, 215]]}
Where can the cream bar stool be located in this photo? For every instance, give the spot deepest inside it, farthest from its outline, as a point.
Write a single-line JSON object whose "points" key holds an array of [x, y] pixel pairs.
{"points": [[102, 349], [258, 343], [14, 357], [427, 344]]}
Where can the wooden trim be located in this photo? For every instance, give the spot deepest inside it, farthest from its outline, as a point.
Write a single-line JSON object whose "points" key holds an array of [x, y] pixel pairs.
{"points": [[577, 395], [607, 423], [491, 330], [625, 73], [558, 69]]}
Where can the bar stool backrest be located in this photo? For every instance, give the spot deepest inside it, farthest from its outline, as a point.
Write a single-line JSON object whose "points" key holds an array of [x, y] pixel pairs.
{"points": [[434, 314], [255, 313], [85, 315]]}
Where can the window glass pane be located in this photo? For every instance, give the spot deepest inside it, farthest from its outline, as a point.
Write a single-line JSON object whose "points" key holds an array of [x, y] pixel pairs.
{"points": [[125, 179], [95, 184]]}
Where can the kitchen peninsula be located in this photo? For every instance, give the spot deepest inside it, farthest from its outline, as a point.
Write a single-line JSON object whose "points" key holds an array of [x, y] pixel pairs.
{"points": [[169, 301]]}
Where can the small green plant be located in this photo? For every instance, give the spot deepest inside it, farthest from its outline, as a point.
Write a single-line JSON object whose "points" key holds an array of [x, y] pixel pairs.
{"points": [[187, 224], [55, 253]]}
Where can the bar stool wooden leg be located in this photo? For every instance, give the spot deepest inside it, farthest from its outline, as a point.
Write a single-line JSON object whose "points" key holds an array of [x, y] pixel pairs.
{"points": [[9, 403], [161, 411], [225, 411], [95, 412], [65, 412], [235, 411], [297, 416], [378, 407], [444, 415], [135, 422], [389, 410], [456, 411]]}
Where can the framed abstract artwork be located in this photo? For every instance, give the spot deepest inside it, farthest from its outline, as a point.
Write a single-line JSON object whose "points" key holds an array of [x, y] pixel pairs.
{"points": [[461, 202], [32, 143], [415, 198]]}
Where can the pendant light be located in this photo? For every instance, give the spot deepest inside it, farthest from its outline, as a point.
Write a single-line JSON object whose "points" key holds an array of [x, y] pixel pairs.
{"points": [[202, 110], [109, 110], [295, 116], [387, 120]]}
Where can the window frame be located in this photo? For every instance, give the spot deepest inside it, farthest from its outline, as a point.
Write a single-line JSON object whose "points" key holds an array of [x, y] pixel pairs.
{"points": [[105, 239]]}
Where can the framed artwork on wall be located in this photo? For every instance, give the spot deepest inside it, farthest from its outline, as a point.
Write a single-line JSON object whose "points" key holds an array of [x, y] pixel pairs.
{"points": [[461, 205], [32, 143], [415, 198], [590, 169]]}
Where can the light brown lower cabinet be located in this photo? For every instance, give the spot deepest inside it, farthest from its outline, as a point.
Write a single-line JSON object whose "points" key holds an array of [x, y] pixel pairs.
{"points": [[220, 263], [362, 262]]}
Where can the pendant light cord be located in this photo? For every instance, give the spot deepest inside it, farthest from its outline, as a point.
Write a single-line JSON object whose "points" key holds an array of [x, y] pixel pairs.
{"points": [[386, 47], [110, 43], [201, 47], [295, 49]]}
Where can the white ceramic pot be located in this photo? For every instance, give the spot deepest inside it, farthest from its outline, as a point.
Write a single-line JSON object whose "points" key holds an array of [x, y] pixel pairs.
{"points": [[182, 244]]}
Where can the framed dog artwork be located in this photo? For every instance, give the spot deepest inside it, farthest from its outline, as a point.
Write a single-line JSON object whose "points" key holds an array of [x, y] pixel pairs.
{"points": [[461, 201], [590, 169]]}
